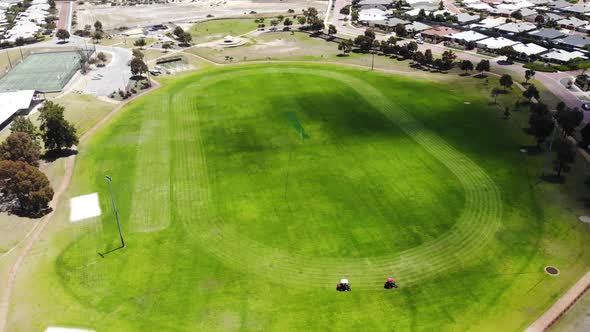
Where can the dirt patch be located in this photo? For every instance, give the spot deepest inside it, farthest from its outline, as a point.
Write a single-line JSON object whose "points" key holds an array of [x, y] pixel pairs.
{"points": [[551, 270]]}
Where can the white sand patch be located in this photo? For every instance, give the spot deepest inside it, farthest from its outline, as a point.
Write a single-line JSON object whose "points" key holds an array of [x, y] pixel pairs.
{"points": [[84, 207], [65, 329]]}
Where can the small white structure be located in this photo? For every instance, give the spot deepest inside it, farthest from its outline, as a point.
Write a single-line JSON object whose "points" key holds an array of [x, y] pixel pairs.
{"points": [[84, 207], [529, 49], [494, 43], [13, 102]]}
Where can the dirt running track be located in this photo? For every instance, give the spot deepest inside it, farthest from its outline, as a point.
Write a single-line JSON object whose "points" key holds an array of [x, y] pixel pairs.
{"points": [[69, 168]]}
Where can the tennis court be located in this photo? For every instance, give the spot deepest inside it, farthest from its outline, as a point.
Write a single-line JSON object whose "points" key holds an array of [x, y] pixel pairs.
{"points": [[45, 72]]}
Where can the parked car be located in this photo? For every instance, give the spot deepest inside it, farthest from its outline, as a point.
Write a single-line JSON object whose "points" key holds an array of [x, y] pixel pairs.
{"points": [[586, 107]]}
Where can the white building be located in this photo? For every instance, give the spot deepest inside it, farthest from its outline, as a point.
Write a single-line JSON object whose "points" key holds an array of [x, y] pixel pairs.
{"points": [[466, 36], [562, 56], [494, 43], [529, 49], [12, 102]]}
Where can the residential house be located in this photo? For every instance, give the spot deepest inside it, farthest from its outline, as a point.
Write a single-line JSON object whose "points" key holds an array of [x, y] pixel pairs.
{"points": [[562, 56], [573, 42], [516, 27], [547, 34], [495, 43]]}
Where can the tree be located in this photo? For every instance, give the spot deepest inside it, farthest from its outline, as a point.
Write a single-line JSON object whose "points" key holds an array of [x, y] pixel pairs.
{"points": [[24, 125], [466, 66], [140, 43], [400, 30], [98, 26], [418, 57], [137, 53], [565, 154], [495, 93], [20, 147], [178, 31], [301, 20], [585, 133], [287, 22], [101, 56], [316, 24], [509, 53], [569, 120], [540, 122], [516, 15], [483, 65], [310, 13], [365, 41], [138, 67], [428, 56], [560, 106], [57, 133], [528, 74], [448, 59], [345, 10], [97, 36], [27, 184], [412, 47], [441, 5], [354, 14], [539, 19], [62, 34], [280, 18], [506, 81], [185, 38], [166, 47], [332, 29], [345, 46], [274, 23], [531, 92]]}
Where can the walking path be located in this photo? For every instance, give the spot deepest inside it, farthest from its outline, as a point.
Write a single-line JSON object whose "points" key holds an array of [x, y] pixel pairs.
{"points": [[559, 308], [69, 169]]}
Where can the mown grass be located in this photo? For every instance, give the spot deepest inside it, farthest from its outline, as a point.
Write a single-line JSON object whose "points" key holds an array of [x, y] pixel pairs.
{"points": [[202, 159], [216, 29]]}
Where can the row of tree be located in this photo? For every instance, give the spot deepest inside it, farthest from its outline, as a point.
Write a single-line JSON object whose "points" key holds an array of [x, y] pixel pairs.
{"points": [[25, 189]]}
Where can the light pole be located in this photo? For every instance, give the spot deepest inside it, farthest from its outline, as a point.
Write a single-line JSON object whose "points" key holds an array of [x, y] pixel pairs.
{"points": [[109, 180]]}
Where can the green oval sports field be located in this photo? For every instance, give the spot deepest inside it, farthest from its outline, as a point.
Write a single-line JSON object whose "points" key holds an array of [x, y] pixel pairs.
{"points": [[246, 193]]}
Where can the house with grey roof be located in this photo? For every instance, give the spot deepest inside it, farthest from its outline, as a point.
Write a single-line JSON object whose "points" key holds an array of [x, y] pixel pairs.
{"points": [[574, 41], [528, 14], [558, 4], [571, 23], [417, 27], [465, 18], [547, 34], [578, 8], [516, 27]]}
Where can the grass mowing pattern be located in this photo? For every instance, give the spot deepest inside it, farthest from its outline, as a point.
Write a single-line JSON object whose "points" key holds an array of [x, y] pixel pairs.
{"points": [[259, 219], [478, 222]]}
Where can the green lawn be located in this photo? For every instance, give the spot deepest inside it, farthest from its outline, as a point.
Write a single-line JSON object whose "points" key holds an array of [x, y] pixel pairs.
{"points": [[247, 192], [216, 29]]}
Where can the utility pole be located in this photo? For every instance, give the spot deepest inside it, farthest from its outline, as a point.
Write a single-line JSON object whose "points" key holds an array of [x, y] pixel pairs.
{"points": [[545, 164], [9, 62], [373, 61], [21, 54], [109, 180]]}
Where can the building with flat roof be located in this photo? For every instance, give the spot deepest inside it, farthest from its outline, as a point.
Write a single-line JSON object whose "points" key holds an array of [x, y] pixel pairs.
{"points": [[494, 43], [562, 56], [529, 49], [13, 103]]}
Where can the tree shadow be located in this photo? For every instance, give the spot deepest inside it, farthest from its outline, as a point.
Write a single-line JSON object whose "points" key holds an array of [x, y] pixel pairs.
{"points": [[532, 150], [53, 155], [553, 178]]}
